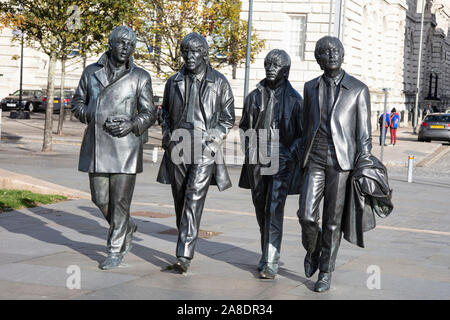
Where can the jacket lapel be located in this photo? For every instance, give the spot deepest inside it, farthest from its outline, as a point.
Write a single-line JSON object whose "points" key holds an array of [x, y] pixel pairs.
{"points": [[317, 99], [205, 105], [345, 85], [101, 76], [179, 80]]}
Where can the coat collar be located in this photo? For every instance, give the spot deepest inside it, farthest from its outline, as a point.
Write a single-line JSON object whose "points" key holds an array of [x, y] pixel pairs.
{"points": [[346, 81], [288, 92], [101, 73]]}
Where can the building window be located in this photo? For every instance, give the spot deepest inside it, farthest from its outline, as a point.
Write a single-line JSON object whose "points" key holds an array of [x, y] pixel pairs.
{"points": [[297, 35]]}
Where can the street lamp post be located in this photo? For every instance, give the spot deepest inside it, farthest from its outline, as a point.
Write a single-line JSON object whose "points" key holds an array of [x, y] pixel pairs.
{"points": [[416, 106], [249, 43], [383, 130], [338, 19], [20, 114]]}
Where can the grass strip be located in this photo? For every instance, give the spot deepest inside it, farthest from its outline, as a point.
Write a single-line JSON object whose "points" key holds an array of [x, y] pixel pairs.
{"points": [[11, 199]]}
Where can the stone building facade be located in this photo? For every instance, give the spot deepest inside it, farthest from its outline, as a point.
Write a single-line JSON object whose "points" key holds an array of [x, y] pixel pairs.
{"points": [[435, 63], [372, 33], [381, 40]]}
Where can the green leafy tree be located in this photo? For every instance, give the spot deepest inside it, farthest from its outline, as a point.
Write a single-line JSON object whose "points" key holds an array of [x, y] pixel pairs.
{"points": [[57, 26], [162, 24], [228, 33]]}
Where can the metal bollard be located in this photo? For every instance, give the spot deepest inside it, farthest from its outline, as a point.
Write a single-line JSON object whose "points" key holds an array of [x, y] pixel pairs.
{"points": [[155, 154], [410, 168]]}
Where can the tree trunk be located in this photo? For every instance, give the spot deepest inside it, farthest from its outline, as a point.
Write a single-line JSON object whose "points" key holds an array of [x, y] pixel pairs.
{"points": [[62, 112], [48, 127], [234, 71]]}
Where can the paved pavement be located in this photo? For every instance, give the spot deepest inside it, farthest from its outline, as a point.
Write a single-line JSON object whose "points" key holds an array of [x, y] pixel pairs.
{"points": [[42, 249]]}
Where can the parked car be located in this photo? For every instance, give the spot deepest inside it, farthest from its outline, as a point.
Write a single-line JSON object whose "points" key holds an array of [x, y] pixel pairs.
{"points": [[435, 126], [68, 95], [447, 111], [31, 100]]}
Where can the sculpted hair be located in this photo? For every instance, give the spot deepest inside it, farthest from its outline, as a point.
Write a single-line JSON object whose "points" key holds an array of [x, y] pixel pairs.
{"points": [[281, 56], [196, 37], [328, 39], [120, 33]]}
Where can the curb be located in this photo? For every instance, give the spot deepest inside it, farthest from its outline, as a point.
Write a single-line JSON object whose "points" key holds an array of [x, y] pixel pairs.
{"points": [[434, 156], [11, 180]]}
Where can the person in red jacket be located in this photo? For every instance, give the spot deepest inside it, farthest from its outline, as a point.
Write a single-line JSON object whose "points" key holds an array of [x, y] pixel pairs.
{"points": [[394, 120]]}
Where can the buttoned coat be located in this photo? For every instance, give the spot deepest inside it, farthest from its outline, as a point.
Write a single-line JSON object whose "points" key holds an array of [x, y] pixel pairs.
{"points": [[217, 107], [349, 120], [95, 100], [289, 129]]}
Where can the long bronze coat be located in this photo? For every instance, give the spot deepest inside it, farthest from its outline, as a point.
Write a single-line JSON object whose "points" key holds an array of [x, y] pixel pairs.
{"points": [[290, 130], [95, 100], [217, 106]]}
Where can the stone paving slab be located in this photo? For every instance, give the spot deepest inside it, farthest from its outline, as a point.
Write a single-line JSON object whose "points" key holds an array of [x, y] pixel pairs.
{"points": [[54, 276], [27, 291], [224, 267]]}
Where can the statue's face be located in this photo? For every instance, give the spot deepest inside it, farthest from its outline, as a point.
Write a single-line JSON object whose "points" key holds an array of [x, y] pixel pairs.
{"points": [[275, 71], [121, 49], [330, 56], [194, 56]]}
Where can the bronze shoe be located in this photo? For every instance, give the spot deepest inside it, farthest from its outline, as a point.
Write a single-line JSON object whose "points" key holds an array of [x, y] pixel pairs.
{"points": [[182, 265], [269, 272], [324, 282], [112, 261]]}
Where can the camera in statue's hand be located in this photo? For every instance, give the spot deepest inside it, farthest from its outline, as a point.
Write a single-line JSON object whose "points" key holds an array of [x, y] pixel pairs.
{"points": [[118, 125]]}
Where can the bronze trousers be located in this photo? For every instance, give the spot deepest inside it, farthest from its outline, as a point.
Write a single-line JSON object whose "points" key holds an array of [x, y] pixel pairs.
{"points": [[190, 184], [269, 195], [112, 193], [323, 179]]}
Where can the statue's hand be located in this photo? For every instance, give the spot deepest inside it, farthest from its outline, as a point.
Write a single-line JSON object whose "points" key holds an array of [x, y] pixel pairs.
{"points": [[119, 127]]}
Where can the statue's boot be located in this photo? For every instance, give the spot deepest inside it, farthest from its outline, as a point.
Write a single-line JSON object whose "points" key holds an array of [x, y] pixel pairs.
{"points": [[324, 282], [112, 261]]}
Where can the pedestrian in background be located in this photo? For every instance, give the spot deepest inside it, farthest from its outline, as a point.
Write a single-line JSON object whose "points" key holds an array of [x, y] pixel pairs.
{"points": [[386, 125], [394, 120]]}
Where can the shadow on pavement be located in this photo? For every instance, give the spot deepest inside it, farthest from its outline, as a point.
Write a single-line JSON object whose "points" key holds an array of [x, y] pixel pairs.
{"points": [[49, 235], [163, 260]]}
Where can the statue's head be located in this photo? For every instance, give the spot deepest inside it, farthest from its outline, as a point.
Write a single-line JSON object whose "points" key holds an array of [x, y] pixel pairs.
{"points": [[194, 49], [277, 65], [329, 54], [121, 43]]}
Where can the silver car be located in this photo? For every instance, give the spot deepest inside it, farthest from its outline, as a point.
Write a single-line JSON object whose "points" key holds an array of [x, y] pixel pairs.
{"points": [[435, 126]]}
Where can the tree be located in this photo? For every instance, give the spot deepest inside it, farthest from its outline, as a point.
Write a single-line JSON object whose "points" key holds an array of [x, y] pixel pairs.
{"points": [[162, 24], [228, 45], [56, 26]]}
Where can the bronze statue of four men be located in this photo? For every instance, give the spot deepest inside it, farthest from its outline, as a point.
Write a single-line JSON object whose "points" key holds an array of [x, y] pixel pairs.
{"points": [[292, 145]]}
